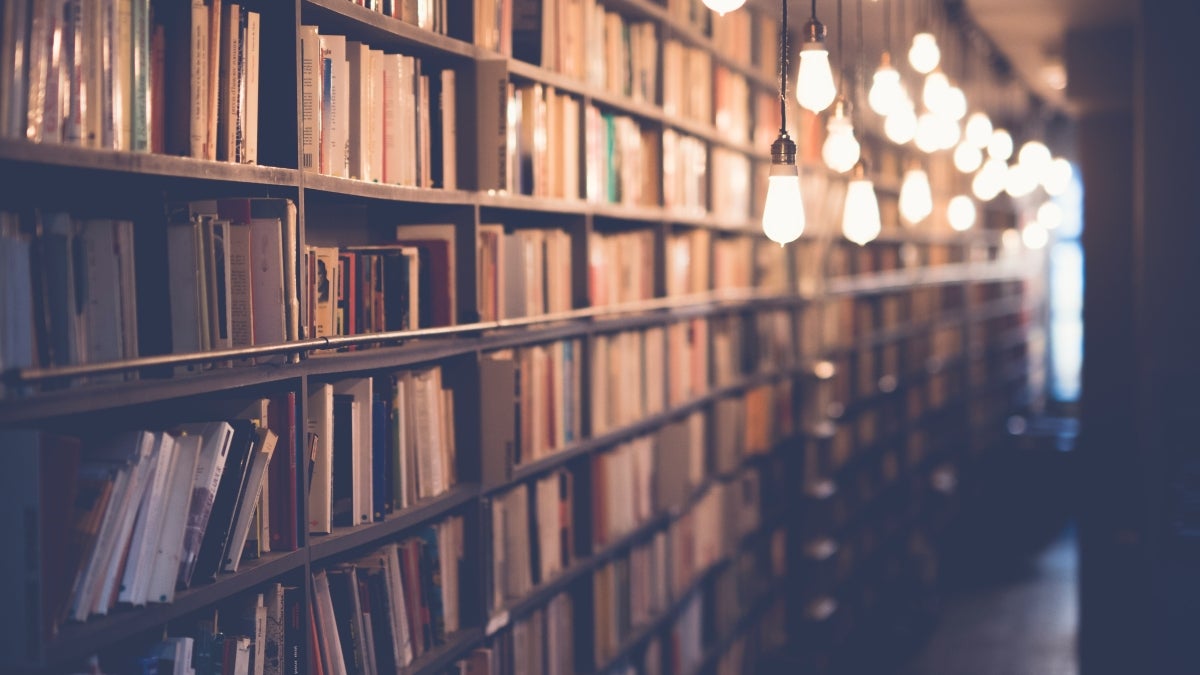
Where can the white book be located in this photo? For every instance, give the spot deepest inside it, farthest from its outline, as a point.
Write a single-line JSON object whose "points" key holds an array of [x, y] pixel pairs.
{"points": [[264, 447], [183, 277], [267, 281], [81, 604], [148, 530], [358, 111], [429, 434], [449, 112], [320, 422], [217, 437], [363, 500], [310, 98], [393, 156], [102, 303], [250, 125], [327, 628], [123, 77], [165, 569], [375, 107], [401, 635], [334, 104], [139, 481]]}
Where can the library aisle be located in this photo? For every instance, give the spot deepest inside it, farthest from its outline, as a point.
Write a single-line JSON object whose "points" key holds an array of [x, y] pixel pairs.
{"points": [[1017, 618]]}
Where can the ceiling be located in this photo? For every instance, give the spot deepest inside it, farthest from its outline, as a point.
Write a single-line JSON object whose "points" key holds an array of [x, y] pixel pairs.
{"points": [[1030, 35]]}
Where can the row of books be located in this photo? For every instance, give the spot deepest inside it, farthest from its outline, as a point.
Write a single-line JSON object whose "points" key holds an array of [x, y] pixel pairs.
{"points": [[552, 34], [533, 407], [628, 377], [620, 267], [731, 170], [115, 75], [379, 613], [492, 25], [231, 273], [258, 634], [428, 15], [627, 593], [688, 367], [688, 261], [144, 513], [684, 173], [731, 271], [622, 159], [543, 141], [623, 481], [523, 272], [688, 93], [731, 98], [532, 535], [67, 290], [375, 116], [378, 445], [622, 55], [408, 284]]}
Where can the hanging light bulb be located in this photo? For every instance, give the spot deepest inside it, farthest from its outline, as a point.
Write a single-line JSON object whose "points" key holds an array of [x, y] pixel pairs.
{"points": [[1034, 235], [815, 89], [783, 210], [860, 215], [967, 157], [1019, 180], [928, 133], [933, 94], [1000, 145], [1035, 155], [924, 54], [1057, 177], [901, 124], [989, 182], [948, 132], [886, 90], [979, 130], [955, 105], [961, 213], [916, 198], [841, 149], [723, 7], [1050, 215]]}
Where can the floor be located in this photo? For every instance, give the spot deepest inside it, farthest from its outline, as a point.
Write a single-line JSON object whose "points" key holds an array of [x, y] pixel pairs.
{"points": [[1019, 620]]}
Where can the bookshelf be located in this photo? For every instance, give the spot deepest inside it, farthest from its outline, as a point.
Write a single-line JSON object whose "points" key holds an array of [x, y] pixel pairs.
{"points": [[741, 328]]}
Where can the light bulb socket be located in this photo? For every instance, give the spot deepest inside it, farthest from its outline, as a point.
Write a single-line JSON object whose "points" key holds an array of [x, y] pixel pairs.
{"points": [[859, 172], [783, 150], [812, 35], [841, 107], [885, 60]]}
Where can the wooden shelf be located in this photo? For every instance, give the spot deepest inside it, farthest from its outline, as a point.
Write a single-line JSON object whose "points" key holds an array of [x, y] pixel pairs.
{"points": [[395, 193], [343, 539], [141, 163], [75, 641], [361, 23]]}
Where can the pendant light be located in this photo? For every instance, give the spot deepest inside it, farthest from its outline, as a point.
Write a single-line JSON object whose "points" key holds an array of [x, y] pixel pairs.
{"points": [[1035, 155], [979, 130], [1000, 145], [916, 197], [840, 150], [783, 211], [967, 157], [1020, 180], [989, 182], [961, 213], [901, 124], [935, 91], [1050, 215], [929, 133], [924, 54], [886, 90], [815, 89], [1058, 177], [860, 214], [723, 7]]}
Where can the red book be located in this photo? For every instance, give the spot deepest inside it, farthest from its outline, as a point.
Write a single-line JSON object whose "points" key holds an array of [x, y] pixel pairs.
{"points": [[410, 553]]}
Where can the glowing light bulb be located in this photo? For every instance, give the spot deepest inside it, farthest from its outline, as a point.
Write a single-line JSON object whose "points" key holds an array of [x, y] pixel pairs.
{"points": [[783, 212], [1000, 145], [1057, 177], [955, 104], [1050, 215], [886, 91], [979, 130], [1035, 236], [815, 89], [723, 6], [928, 132], [901, 125], [948, 132], [989, 182], [841, 149], [967, 157], [961, 213], [924, 54], [860, 216], [1036, 156], [1020, 180], [916, 198], [933, 94]]}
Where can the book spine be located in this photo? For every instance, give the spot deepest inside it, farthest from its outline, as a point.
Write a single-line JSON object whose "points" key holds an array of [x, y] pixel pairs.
{"points": [[310, 98], [198, 93], [250, 130], [140, 123]]}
